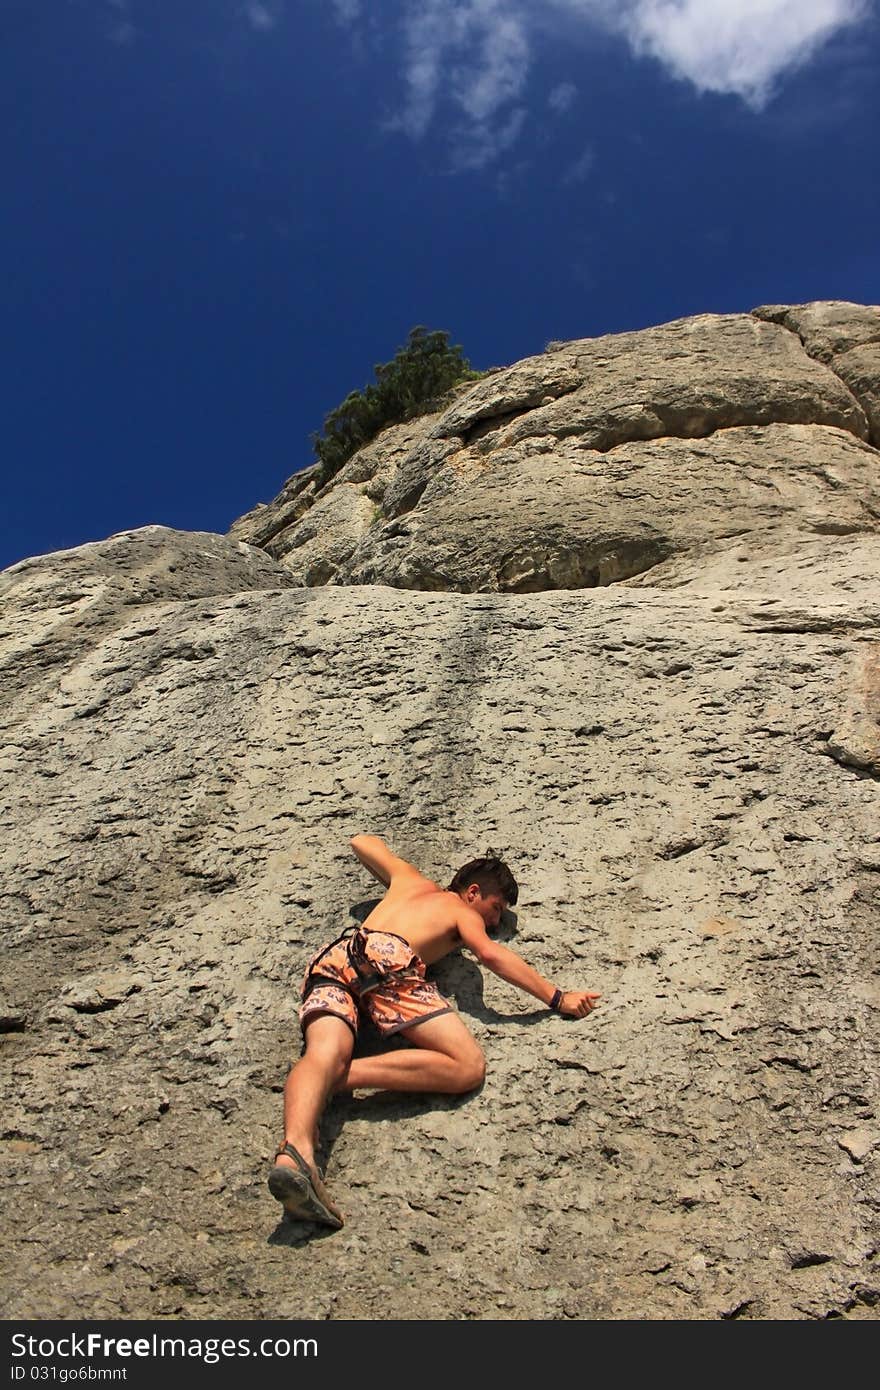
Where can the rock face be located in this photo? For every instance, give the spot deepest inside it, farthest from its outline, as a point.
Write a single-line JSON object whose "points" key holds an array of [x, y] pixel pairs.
{"points": [[677, 748], [601, 458], [846, 337]]}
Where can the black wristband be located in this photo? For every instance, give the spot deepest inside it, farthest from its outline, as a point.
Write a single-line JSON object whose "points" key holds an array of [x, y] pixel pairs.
{"points": [[555, 1001]]}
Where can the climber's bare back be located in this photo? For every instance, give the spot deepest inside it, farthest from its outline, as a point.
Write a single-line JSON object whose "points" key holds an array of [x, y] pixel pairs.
{"points": [[422, 912]]}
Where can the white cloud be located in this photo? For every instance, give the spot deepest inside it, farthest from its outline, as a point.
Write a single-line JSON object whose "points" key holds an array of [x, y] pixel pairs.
{"points": [[739, 47], [263, 14], [120, 29], [562, 97], [347, 11], [480, 145], [581, 168], [466, 64], [499, 73], [472, 58]]}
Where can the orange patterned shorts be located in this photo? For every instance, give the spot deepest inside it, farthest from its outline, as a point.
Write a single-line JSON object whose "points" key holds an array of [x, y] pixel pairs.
{"points": [[396, 995]]}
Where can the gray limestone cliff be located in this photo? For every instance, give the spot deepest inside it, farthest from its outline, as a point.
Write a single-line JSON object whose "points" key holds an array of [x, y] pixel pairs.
{"points": [[614, 612], [601, 458]]}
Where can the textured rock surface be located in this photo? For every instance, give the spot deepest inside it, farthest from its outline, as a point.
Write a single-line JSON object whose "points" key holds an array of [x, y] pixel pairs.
{"points": [[678, 750], [655, 762], [847, 338], [603, 457]]}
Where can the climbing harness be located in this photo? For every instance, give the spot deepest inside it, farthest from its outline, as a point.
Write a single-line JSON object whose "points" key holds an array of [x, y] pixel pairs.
{"points": [[368, 974]]}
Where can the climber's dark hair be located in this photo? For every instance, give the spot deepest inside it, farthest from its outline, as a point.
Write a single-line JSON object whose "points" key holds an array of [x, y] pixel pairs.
{"points": [[490, 874]]}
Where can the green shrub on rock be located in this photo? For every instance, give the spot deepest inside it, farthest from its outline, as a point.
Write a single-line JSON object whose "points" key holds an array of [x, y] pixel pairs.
{"points": [[407, 386]]}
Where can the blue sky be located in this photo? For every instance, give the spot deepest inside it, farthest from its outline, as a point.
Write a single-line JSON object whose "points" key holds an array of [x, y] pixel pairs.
{"points": [[220, 214]]}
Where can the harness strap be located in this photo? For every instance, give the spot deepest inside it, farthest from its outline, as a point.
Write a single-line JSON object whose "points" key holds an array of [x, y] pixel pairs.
{"points": [[369, 975]]}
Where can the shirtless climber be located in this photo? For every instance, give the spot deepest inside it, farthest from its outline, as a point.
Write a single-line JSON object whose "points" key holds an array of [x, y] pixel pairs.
{"points": [[378, 969]]}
